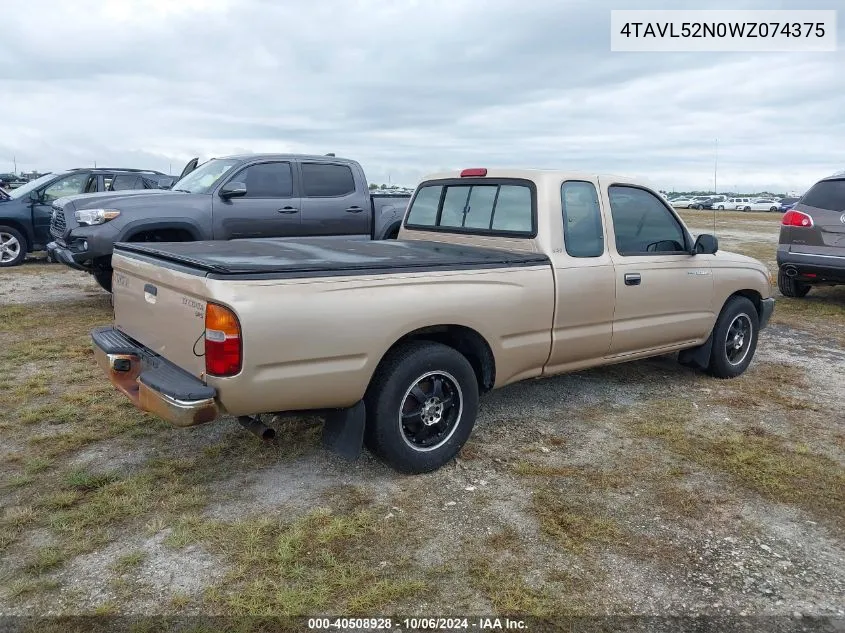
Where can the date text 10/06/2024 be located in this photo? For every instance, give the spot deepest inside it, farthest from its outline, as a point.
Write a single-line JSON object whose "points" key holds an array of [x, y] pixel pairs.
{"points": [[418, 624]]}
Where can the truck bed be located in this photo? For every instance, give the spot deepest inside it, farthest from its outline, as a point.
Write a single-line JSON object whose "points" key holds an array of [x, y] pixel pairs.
{"points": [[322, 257]]}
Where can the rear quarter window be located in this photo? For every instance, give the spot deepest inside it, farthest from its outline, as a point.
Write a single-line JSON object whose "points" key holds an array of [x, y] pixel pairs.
{"points": [[827, 194], [483, 206]]}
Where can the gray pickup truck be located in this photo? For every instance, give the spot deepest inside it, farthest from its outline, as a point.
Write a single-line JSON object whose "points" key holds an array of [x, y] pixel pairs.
{"points": [[236, 197]]}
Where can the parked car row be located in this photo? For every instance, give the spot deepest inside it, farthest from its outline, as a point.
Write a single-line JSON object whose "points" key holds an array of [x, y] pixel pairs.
{"points": [[724, 203], [78, 215], [25, 212]]}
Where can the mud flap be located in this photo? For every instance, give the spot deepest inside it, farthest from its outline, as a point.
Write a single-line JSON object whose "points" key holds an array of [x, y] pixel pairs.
{"points": [[697, 356], [343, 432]]}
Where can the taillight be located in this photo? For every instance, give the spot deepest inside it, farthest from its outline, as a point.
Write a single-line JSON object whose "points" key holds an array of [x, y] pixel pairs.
{"points": [[475, 171], [223, 348], [796, 218]]}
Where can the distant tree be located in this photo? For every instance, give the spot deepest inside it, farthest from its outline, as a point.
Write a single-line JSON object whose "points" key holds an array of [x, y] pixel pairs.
{"points": [[383, 186], [373, 186]]}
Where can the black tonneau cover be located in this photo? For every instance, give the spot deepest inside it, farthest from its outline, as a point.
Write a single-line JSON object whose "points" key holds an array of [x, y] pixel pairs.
{"points": [[317, 257]]}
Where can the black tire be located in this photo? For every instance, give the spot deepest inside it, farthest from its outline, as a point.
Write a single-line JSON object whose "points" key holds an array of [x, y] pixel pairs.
{"points": [[393, 423], [103, 277], [791, 287], [721, 207], [746, 209], [738, 325], [772, 209], [13, 247]]}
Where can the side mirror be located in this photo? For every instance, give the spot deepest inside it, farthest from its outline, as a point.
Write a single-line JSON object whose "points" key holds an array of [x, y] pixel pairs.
{"points": [[705, 244], [232, 190]]}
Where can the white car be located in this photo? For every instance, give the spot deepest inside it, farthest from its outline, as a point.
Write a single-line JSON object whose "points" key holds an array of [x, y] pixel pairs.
{"points": [[732, 204], [681, 203], [761, 204]]}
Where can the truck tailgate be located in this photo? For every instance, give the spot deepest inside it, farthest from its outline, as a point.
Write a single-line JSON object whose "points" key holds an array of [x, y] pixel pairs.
{"points": [[161, 308]]}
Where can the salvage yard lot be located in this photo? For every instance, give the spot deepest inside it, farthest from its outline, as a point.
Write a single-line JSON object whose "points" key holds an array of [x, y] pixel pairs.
{"points": [[638, 488]]}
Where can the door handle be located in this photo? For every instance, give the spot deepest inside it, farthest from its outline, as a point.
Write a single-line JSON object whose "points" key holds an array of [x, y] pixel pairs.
{"points": [[354, 210], [288, 210], [632, 279]]}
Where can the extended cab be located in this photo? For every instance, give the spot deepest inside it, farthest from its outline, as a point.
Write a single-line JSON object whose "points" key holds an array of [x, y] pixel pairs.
{"points": [[497, 276], [249, 196]]}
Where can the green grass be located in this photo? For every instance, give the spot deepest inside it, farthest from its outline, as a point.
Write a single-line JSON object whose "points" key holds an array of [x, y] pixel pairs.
{"points": [[780, 470], [574, 524], [319, 563]]}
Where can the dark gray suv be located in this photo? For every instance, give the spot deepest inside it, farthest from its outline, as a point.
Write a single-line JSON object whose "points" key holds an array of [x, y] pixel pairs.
{"points": [[812, 239]]}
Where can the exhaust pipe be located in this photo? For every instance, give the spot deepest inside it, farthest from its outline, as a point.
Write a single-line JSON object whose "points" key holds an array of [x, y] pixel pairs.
{"points": [[790, 271], [257, 428]]}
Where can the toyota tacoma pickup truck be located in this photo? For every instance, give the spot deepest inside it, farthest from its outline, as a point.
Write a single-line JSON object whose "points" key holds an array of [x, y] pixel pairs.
{"points": [[498, 276], [237, 197]]}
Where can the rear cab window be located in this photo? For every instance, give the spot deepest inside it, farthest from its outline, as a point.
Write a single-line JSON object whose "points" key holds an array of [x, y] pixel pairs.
{"points": [[483, 206]]}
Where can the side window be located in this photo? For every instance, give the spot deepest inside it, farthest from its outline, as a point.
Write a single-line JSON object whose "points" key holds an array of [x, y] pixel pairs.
{"points": [[67, 186], [479, 207], [324, 180], [266, 180], [582, 227], [91, 187], [122, 182], [642, 224]]}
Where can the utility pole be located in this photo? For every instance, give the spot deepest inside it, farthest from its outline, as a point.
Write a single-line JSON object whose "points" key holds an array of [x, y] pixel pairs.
{"points": [[15, 160]]}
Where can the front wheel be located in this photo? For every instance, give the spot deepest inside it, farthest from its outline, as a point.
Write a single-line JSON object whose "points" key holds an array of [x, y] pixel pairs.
{"points": [[772, 209], [734, 338], [721, 207], [421, 406], [746, 208], [12, 247]]}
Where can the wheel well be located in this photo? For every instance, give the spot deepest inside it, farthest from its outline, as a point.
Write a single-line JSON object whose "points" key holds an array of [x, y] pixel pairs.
{"points": [[20, 228], [465, 340], [393, 233], [161, 235], [751, 295]]}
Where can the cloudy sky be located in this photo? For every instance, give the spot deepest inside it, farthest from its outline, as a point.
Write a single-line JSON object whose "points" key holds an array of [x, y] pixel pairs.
{"points": [[408, 87]]}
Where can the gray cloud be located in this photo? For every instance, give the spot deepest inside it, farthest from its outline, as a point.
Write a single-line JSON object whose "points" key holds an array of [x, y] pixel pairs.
{"points": [[409, 88]]}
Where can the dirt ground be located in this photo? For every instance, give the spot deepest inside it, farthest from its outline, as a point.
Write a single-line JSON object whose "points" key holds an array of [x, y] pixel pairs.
{"points": [[644, 488]]}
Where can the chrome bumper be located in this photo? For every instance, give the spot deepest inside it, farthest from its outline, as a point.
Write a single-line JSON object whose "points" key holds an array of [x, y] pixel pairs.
{"points": [[126, 370]]}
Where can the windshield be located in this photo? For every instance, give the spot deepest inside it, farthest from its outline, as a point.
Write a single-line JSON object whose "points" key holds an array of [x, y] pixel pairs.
{"points": [[32, 185], [205, 177]]}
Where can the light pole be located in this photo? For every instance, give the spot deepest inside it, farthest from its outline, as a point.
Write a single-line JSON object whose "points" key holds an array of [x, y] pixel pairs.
{"points": [[715, 168]]}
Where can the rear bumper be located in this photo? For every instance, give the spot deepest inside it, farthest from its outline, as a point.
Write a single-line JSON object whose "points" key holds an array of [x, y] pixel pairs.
{"points": [[830, 268], [152, 383]]}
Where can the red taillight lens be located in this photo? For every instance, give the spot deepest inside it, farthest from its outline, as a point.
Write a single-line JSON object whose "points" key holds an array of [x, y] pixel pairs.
{"points": [[796, 218], [475, 171], [223, 348]]}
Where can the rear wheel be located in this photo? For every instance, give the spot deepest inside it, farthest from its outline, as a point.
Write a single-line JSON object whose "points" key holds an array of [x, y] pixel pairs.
{"points": [[12, 247], [746, 208], [734, 338], [773, 209], [421, 406], [791, 287]]}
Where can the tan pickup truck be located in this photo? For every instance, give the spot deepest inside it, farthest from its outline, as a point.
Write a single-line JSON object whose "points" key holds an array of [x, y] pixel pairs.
{"points": [[497, 276]]}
